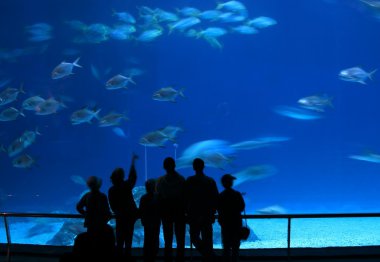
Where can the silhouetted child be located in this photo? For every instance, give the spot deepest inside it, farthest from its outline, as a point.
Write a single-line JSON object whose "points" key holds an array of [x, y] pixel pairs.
{"points": [[150, 219], [230, 206], [99, 240], [123, 205]]}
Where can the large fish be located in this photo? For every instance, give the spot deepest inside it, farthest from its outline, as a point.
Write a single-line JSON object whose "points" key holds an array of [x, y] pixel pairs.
{"points": [[168, 94], [10, 114], [297, 113], [118, 81], [64, 69], [356, 74], [23, 161], [84, 115], [254, 173]]}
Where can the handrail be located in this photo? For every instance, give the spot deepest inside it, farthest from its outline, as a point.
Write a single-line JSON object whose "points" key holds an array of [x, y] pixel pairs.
{"points": [[289, 218]]}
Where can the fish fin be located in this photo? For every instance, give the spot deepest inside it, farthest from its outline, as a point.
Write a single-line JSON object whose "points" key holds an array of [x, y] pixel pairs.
{"points": [[21, 90], [180, 92], [75, 63], [362, 82], [371, 73], [131, 80], [96, 114]]}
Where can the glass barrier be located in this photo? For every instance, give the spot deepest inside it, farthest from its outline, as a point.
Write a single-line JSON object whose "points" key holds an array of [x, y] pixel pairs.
{"points": [[45, 231], [3, 234], [335, 232]]}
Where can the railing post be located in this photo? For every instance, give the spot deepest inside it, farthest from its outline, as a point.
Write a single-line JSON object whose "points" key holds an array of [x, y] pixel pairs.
{"points": [[8, 238], [289, 235]]}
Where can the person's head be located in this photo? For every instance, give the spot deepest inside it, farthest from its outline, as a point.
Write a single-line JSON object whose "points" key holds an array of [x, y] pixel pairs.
{"points": [[169, 164], [94, 183], [198, 165], [228, 180], [117, 176], [150, 186]]}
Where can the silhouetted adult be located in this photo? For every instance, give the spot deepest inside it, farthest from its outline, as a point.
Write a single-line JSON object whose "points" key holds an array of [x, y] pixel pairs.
{"points": [[170, 189], [230, 206], [201, 203], [123, 205], [99, 239], [150, 219]]}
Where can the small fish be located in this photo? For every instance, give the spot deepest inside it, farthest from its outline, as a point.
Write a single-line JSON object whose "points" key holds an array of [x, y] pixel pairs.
{"points": [[210, 15], [368, 157], [184, 24], [15, 148], [49, 106], [297, 113], [231, 18], [119, 81], [10, 114], [29, 137], [356, 74], [245, 30], [167, 94], [149, 35], [125, 17], [23, 161], [154, 139], [262, 22], [119, 132], [84, 115], [234, 6], [32, 103], [212, 32], [164, 16], [64, 69], [10, 94], [316, 103], [189, 11], [112, 119]]}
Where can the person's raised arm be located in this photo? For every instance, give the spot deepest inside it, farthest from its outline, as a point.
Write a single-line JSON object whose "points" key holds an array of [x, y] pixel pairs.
{"points": [[132, 177]]}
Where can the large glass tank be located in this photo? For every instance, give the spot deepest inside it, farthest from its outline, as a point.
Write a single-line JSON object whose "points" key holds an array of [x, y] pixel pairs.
{"points": [[281, 94]]}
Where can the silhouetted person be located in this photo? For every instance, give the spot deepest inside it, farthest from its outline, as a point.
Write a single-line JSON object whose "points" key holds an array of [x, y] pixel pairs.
{"points": [[123, 205], [230, 206], [201, 203], [170, 189], [99, 239], [150, 219]]}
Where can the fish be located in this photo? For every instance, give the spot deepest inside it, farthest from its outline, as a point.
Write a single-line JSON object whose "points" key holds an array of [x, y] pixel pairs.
{"points": [[316, 102], [189, 11], [184, 24], [171, 132], [124, 17], [123, 32], [212, 32], [119, 132], [245, 30], [210, 15], [272, 210], [231, 18], [119, 81], [95, 33], [217, 160], [149, 35], [168, 94], [356, 74], [253, 173], [297, 113], [10, 94], [154, 139], [258, 143], [64, 69], [84, 115], [39, 32], [164, 16], [29, 137], [10, 114], [49, 106], [214, 42], [261, 22], [78, 180], [32, 103], [23, 161], [234, 6], [112, 119], [368, 157], [15, 148]]}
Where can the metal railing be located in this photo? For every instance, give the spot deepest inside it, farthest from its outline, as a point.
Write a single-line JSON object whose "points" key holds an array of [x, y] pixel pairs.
{"points": [[289, 218]]}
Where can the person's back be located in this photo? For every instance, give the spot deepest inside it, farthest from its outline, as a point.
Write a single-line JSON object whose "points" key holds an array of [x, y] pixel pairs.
{"points": [[230, 206], [150, 220], [201, 194], [123, 205], [170, 189]]}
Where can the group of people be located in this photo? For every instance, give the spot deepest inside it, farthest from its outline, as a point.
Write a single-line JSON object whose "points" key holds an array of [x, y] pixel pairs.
{"points": [[171, 201]]}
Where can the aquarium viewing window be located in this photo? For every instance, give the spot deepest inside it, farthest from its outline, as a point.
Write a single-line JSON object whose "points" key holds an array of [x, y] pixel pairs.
{"points": [[281, 94]]}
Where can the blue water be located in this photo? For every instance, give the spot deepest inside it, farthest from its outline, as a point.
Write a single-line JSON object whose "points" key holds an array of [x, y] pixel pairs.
{"points": [[231, 94]]}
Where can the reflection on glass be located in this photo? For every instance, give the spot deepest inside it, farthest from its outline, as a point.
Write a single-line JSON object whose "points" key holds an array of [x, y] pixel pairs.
{"points": [[335, 232], [3, 236]]}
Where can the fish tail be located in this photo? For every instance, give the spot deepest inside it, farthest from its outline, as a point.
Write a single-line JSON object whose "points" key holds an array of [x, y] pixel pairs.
{"points": [[371, 73], [37, 131], [75, 63], [180, 92], [96, 113], [21, 113], [131, 80], [21, 90]]}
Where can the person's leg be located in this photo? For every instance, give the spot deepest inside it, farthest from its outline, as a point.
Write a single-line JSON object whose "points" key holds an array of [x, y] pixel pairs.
{"points": [[195, 230], [235, 244], [180, 231], [226, 240], [207, 239], [130, 224], [120, 236], [167, 226]]}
